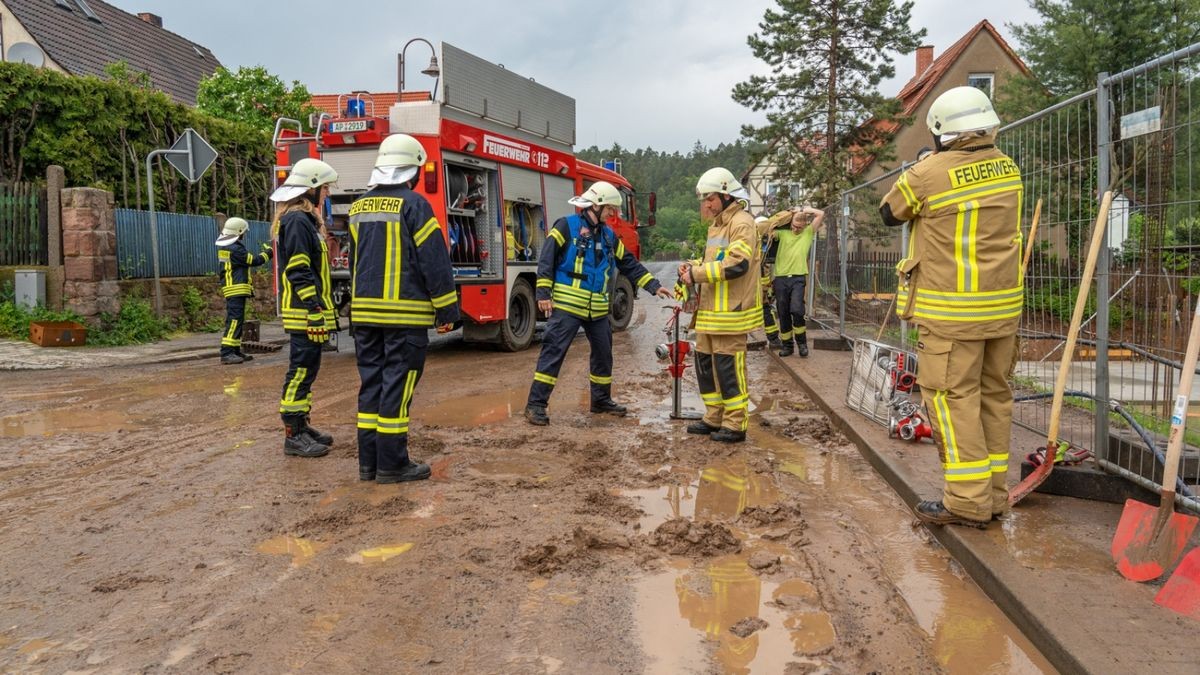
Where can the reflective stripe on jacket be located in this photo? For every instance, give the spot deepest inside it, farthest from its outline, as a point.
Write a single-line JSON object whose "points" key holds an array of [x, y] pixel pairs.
{"points": [[401, 264], [303, 271], [961, 274], [575, 268], [235, 269], [730, 299]]}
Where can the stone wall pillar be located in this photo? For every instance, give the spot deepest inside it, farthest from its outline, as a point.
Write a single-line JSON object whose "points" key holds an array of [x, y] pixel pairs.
{"points": [[89, 247]]}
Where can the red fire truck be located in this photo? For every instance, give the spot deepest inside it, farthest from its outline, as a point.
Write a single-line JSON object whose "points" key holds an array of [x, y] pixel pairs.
{"points": [[500, 171]]}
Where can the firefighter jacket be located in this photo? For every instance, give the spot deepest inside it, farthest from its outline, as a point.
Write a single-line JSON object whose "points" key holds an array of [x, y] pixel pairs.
{"points": [[303, 271], [578, 265], [730, 296], [768, 245], [236, 262], [400, 261], [960, 277]]}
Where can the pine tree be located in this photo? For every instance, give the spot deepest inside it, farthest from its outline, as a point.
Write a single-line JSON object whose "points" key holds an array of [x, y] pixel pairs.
{"points": [[821, 100]]}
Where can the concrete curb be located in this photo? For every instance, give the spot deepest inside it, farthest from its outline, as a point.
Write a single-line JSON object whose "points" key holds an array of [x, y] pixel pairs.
{"points": [[1041, 635]]}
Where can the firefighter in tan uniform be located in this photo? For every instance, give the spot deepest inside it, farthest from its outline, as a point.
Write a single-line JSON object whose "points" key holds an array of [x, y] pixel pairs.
{"points": [[960, 282], [766, 235], [730, 305]]}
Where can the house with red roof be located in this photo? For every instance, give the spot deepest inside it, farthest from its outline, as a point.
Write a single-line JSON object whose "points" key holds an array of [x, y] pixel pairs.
{"points": [[981, 58]]}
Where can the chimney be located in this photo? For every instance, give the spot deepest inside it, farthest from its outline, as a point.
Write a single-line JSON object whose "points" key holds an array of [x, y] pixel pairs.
{"points": [[924, 58], [156, 20]]}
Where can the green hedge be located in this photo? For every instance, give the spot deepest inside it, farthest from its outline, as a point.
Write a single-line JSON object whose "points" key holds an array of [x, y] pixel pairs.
{"points": [[101, 130]]}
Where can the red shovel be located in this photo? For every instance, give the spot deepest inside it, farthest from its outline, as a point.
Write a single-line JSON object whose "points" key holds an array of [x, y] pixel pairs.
{"points": [[1181, 593], [1149, 540]]}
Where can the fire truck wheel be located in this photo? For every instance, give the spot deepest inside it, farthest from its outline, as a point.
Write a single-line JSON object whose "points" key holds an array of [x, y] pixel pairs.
{"points": [[621, 307], [516, 332]]}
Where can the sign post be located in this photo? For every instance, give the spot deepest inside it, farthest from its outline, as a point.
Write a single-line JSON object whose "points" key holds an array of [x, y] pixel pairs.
{"points": [[191, 156]]}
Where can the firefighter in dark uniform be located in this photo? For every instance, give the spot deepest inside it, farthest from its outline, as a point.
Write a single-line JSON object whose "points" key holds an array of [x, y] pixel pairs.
{"points": [[403, 286], [236, 262], [304, 297], [729, 307], [961, 283], [576, 272]]}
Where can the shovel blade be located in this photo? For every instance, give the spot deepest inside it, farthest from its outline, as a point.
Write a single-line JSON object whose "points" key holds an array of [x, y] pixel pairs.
{"points": [[1181, 593], [1149, 539], [1033, 480]]}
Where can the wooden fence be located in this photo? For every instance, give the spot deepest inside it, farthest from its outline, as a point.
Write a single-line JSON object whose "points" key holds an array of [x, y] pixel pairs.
{"points": [[22, 224]]}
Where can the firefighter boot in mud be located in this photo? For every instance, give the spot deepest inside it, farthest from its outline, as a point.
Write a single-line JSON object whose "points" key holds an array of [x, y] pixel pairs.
{"points": [[318, 436], [610, 406], [936, 513], [724, 435], [231, 359], [802, 348], [701, 428], [774, 342], [410, 471], [536, 415], [786, 349], [297, 441]]}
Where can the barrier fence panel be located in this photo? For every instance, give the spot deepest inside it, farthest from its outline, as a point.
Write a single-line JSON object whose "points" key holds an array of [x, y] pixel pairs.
{"points": [[1154, 173], [1057, 153], [186, 245], [1137, 134]]}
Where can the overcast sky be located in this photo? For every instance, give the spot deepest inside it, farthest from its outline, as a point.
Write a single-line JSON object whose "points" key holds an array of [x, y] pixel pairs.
{"points": [[643, 73]]}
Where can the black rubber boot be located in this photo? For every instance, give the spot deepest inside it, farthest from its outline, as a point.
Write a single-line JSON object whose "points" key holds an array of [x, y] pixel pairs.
{"points": [[701, 428], [936, 513], [537, 415], [802, 348], [774, 342], [318, 436], [724, 435], [231, 359], [610, 406], [786, 349], [297, 442], [410, 471], [245, 356]]}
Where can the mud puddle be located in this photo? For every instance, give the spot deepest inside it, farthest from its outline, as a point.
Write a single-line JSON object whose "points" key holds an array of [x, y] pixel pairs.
{"points": [[970, 634], [723, 610]]}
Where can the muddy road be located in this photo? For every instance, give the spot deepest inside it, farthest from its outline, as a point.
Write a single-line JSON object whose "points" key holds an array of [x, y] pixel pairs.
{"points": [[151, 523]]}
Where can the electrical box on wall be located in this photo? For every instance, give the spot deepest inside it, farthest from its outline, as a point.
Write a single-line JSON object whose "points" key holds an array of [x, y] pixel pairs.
{"points": [[30, 288]]}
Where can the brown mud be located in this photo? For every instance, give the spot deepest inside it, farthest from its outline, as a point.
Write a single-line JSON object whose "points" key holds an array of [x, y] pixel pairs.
{"points": [[151, 523]]}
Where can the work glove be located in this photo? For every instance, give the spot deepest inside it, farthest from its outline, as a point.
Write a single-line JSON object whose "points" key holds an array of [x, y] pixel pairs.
{"points": [[266, 248], [318, 331], [682, 292]]}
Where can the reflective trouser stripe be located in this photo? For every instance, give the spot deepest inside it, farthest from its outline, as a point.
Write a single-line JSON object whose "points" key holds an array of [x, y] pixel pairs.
{"points": [[964, 471], [368, 421], [999, 463], [598, 379], [230, 338], [545, 379], [785, 335], [289, 402]]}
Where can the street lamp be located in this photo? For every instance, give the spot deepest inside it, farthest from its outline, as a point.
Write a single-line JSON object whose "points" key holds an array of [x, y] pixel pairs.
{"points": [[432, 70]]}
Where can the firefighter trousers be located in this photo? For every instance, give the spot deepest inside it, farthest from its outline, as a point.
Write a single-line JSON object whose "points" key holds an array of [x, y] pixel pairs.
{"points": [[965, 387], [390, 363], [235, 317], [560, 331], [304, 361], [721, 374], [769, 324], [789, 304]]}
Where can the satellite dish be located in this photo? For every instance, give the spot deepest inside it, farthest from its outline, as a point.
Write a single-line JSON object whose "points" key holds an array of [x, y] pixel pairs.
{"points": [[27, 52]]}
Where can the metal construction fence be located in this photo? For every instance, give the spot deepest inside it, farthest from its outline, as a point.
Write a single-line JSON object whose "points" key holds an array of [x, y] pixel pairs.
{"points": [[1137, 134], [185, 244]]}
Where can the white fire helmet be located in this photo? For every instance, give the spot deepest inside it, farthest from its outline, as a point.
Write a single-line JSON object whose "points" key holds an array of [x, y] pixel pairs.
{"points": [[307, 174], [234, 228], [961, 110], [601, 193], [721, 181], [400, 158]]}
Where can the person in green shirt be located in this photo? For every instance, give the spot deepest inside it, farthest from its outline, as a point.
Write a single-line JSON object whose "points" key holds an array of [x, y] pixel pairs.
{"points": [[792, 244]]}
